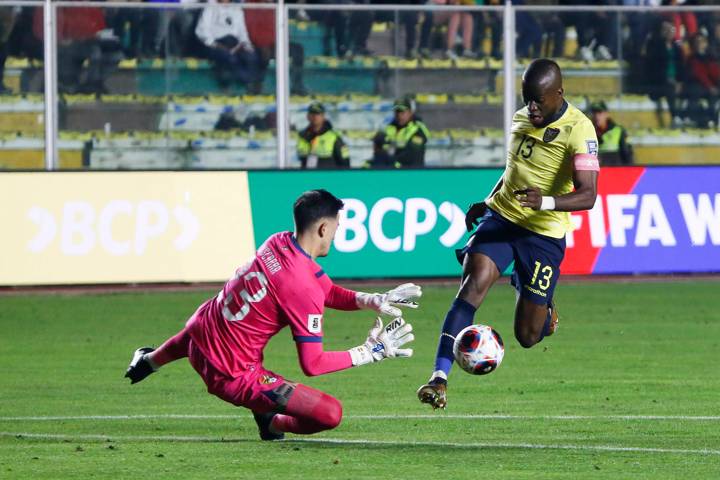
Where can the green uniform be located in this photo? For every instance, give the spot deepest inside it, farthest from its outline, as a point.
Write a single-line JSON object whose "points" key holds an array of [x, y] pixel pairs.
{"points": [[323, 149], [398, 146], [614, 148]]}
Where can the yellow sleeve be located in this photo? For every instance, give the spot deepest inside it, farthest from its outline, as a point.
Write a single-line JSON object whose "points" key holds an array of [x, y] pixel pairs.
{"points": [[583, 140]]}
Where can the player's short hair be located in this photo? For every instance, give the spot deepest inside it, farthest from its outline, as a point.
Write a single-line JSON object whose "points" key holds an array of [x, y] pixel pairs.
{"points": [[315, 205], [541, 68]]}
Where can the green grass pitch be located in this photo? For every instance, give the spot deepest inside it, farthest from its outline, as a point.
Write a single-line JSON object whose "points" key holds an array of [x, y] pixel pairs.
{"points": [[629, 387]]}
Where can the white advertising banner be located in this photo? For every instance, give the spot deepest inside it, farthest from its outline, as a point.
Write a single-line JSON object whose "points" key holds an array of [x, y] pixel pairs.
{"points": [[123, 227]]}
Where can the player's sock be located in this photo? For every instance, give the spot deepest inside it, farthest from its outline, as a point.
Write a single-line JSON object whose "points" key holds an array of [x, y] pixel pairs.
{"points": [[264, 423], [174, 348], [308, 411], [546, 327], [459, 316]]}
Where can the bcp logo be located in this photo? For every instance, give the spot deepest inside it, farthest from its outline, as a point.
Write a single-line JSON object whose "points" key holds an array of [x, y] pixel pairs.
{"points": [[82, 227], [416, 217]]}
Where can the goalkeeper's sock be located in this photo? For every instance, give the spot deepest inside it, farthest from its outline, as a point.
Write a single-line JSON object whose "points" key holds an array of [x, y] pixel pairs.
{"points": [[459, 316], [173, 349]]}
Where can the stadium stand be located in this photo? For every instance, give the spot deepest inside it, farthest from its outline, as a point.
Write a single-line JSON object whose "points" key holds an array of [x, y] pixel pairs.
{"points": [[172, 113]]}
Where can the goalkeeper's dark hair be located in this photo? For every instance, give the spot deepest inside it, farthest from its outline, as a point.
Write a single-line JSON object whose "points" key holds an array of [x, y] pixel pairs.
{"points": [[315, 205]]}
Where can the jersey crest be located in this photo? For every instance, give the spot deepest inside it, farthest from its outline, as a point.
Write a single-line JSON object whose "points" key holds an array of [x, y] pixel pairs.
{"points": [[550, 134]]}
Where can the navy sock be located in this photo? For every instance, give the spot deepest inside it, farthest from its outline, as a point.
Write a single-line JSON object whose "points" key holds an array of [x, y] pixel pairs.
{"points": [[459, 316], [546, 327]]}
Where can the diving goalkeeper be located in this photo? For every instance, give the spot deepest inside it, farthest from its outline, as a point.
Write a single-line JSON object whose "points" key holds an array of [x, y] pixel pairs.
{"points": [[282, 286]]}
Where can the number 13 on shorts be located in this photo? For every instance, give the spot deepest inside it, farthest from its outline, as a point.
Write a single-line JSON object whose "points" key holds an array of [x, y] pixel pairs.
{"points": [[544, 272]]}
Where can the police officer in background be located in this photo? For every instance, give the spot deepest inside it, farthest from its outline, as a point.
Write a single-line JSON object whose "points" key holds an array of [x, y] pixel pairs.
{"points": [[319, 146], [402, 143], [614, 148]]}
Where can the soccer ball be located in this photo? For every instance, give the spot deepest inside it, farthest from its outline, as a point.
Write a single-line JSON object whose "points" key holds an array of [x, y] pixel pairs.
{"points": [[478, 349]]}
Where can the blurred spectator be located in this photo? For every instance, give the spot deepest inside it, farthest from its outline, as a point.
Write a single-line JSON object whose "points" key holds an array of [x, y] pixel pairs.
{"points": [[426, 27], [319, 146], [685, 23], [597, 31], [638, 24], [533, 28], [410, 21], [402, 142], [23, 42], [82, 37], [456, 20], [261, 30], [614, 147], [494, 22], [335, 23], [127, 25], [664, 69], [167, 30], [7, 22], [222, 29], [703, 83], [360, 26], [714, 39]]}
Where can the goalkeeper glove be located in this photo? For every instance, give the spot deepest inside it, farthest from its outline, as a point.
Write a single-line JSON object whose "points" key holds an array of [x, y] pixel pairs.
{"points": [[384, 342], [387, 303]]}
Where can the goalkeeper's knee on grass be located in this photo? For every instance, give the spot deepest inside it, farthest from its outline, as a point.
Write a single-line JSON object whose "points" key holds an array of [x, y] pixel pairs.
{"points": [[308, 411]]}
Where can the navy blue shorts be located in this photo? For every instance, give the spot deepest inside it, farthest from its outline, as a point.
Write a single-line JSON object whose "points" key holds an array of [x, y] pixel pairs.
{"points": [[537, 257]]}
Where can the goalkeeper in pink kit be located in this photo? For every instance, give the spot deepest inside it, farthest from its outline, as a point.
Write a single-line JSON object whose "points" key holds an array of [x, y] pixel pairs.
{"points": [[282, 286]]}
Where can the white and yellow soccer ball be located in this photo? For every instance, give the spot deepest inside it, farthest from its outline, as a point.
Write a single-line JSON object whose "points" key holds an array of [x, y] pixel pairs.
{"points": [[478, 349]]}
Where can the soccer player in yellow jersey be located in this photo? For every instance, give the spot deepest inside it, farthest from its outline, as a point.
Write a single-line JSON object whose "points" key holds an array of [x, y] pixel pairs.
{"points": [[552, 169]]}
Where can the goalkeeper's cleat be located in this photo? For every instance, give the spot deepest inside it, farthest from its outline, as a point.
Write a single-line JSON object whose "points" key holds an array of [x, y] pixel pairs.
{"points": [[554, 319], [263, 421], [139, 366], [434, 393]]}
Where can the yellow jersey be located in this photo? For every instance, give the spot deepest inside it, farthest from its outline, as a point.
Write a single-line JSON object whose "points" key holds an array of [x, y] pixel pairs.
{"points": [[543, 157]]}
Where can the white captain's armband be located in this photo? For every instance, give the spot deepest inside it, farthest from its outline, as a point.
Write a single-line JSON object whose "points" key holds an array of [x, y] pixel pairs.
{"points": [[586, 161]]}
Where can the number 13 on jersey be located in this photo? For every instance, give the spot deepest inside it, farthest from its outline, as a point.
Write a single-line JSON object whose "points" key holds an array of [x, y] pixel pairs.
{"points": [[237, 304]]}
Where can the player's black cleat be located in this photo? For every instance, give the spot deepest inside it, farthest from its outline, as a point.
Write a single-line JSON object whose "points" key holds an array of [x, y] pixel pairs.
{"points": [[139, 367], [263, 422]]}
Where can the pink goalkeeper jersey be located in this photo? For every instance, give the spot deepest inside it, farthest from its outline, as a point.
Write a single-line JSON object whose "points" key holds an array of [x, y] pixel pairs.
{"points": [[281, 286]]}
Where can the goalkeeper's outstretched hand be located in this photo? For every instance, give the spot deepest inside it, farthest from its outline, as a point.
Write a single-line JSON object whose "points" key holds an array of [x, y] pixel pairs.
{"points": [[387, 303], [384, 342]]}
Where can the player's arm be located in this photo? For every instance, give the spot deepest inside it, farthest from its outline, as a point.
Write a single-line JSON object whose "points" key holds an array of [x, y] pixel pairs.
{"points": [[303, 310], [339, 298], [478, 210], [315, 361], [382, 342], [582, 148], [582, 198]]}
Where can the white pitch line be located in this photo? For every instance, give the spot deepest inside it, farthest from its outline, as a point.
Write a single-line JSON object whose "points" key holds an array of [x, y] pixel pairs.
{"points": [[357, 441], [439, 415], [532, 446]]}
